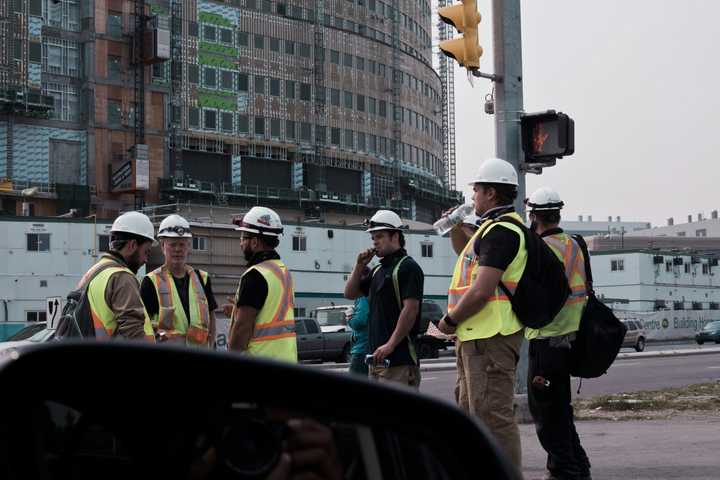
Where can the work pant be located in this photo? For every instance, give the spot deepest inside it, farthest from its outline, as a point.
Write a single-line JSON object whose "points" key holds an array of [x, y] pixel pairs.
{"points": [[405, 374], [550, 406], [358, 365], [486, 386]]}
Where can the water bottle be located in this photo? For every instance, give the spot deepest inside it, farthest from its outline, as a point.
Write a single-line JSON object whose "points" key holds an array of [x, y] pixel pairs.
{"points": [[445, 224]]}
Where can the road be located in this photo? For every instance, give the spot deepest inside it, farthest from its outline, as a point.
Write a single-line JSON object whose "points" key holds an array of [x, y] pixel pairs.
{"points": [[626, 375]]}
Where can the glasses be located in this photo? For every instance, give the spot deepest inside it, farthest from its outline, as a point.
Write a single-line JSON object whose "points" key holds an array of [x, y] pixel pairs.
{"points": [[178, 230], [371, 224]]}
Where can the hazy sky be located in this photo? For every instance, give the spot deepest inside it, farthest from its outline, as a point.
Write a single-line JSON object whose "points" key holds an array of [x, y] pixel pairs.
{"points": [[640, 78]]}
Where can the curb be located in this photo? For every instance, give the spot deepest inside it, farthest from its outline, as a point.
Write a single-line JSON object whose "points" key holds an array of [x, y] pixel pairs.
{"points": [[450, 366]]}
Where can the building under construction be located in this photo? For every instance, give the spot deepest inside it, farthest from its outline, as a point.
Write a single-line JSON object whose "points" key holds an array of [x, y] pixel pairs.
{"points": [[312, 105]]}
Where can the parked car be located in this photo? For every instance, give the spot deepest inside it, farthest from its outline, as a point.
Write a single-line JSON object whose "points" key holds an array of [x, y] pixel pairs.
{"points": [[431, 340], [315, 344], [333, 318], [635, 336], [709, 333], [26, 332]]}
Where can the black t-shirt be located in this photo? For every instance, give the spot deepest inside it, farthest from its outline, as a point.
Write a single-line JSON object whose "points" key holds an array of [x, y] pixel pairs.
{"points": [[384, 308], [497, 248], [253, 289], [150, 297]]}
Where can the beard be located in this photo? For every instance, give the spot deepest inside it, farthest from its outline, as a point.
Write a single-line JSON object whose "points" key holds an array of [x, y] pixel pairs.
{"points": [[133, 261], [247, 253]]}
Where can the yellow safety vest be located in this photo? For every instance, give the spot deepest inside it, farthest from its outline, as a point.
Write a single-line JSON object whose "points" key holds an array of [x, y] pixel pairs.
{"points": [[568, 319], [497, 315], [274, 332], [171, 317], [104, 319]]}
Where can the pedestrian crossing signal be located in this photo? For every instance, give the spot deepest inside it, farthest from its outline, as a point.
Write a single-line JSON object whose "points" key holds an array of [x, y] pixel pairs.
{"points": [[547, 136]]}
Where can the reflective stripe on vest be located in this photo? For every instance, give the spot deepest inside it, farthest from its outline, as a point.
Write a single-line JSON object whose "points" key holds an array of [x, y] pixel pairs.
{"points": [[274, 332], [171, 317], [497, 315], [104, 319], [568, 319]]}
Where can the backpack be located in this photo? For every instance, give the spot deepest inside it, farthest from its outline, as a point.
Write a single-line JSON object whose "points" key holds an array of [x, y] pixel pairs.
{"points": [[75, 321], [417, 329], [543, 288], [600, 336]]}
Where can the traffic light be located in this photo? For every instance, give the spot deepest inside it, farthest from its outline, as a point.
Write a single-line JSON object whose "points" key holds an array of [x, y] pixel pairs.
{"points": [[547, 136], [465, 18]]}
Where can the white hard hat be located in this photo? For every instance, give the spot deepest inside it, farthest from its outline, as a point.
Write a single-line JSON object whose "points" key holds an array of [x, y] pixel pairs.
{"points": [[385, 220], [261, 221], [174, 226], [135, 223], [495, 170], [544, 198]]}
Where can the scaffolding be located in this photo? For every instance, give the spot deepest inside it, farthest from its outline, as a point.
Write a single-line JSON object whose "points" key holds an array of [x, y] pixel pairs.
{"points": [[447, 80], [176, 88], [397, 81]]}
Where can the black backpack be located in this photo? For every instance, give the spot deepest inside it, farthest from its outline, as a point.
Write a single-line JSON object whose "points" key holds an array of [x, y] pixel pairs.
{"points": [[76, 322], [543, 288], [600, 335]]}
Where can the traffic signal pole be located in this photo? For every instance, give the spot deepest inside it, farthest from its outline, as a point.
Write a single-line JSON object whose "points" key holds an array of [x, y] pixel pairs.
{"points": [[507, 51]]}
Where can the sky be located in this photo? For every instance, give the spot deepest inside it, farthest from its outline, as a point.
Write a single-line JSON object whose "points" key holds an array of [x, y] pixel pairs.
{"points": [[639, 77]]}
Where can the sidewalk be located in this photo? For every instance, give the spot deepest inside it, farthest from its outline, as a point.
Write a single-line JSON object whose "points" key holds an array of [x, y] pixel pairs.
{"points": [[685, 447]]}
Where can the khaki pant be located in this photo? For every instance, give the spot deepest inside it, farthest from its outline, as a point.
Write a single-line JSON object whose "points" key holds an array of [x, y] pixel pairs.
{"points": [[405, 374], [486, 386]]}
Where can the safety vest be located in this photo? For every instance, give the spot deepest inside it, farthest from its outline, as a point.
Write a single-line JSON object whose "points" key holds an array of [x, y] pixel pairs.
{"points": [[274, 332], [104, 319], [568, 320], [497, 315], [171, 317]]}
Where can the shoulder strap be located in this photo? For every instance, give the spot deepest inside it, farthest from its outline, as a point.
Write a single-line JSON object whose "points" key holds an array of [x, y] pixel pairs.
{"points": [[98, 270], [514, 221], [588, 272], [396, 281]]}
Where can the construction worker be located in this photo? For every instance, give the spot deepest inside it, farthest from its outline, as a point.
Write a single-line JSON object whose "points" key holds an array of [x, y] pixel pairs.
{"points": [[178, 298], [549, 396], [488, 331], [262, 317], [113, 291], [395, 290]]}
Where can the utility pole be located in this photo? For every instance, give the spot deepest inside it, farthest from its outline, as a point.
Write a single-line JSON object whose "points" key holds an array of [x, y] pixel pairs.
{"points": [[507, 50]]}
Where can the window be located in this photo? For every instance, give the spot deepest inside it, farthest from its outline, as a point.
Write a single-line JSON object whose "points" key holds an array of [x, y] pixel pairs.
{"points": [[347, 60], [35, 316], [361, 103], [360, 63], [680, 234], [114, 24], [194, 117], [226, 119], [259, 85], [226, 80], [617, 265], [304, 50], [275, 128], [426, 249], [226, 36], [103, 243], [275, 44], [242, 82], [199, 243], [305, 132], [321, 134], [289, 89], [687, 268], [259, 42], [305, 92], [114, 113], [275, 87], [243, 39], [209, 33], [38, 242], [243, 124], [697, 306], [311, 327], [290, 129], [210, 119], [349, 139], [335, 136], [66, 101], [372, 106], [193, 74], [348, 96], [334, 57], [289, 47], [114, 67], [705, 269], [299, 242], [679, 305], [209, 77], [701, 232], [299, 313], [335, 97], [259, 126], [383, 108]]}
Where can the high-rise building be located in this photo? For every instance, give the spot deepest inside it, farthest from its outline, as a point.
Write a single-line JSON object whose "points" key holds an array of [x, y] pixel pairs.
{"points": [[306, 104]]}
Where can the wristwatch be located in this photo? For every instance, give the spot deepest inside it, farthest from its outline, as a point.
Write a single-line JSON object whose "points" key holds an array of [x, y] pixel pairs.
{"points": [[450, 321]]}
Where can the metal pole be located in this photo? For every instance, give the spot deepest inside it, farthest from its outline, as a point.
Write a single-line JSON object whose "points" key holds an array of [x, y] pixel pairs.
{"points": [[507, 47]]}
